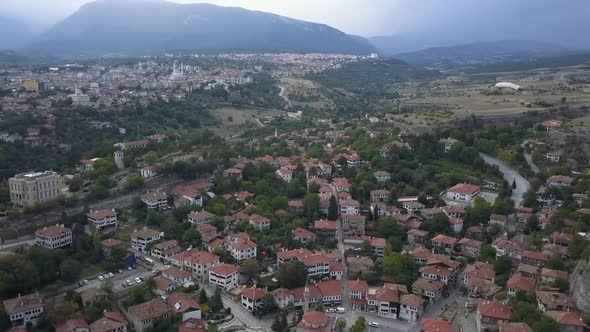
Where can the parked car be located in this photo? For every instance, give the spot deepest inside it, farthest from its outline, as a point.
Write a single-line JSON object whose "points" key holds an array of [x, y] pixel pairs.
{"points": [[340, 310], [85, 281], [373, 324], [81, 283], [120, 271], [101, 278], [129, 268], [111, 275], [137, 280], [330, 310], [129, 282]]}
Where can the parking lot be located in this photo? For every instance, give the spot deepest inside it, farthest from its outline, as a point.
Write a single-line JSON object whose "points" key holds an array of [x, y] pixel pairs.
{"points": [[117, 279]]}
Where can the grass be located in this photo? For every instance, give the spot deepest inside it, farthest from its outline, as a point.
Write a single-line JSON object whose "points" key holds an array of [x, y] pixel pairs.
{"points": [[235, 120], [91, 270]]}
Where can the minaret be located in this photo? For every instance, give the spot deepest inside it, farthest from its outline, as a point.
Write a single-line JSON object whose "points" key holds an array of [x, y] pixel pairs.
{"points": [[276, 132], [75, 88], [181, 69], [306, 296]]}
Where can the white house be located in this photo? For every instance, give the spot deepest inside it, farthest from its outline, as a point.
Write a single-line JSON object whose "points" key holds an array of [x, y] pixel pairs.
{"points": [[463, 193], [411, 307], [285, 174], [148, 172], [141, 239], [24, 309], [53, 237], [103, 219], [224, 276]]}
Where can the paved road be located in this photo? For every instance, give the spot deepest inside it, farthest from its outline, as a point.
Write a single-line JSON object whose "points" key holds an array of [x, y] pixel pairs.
{"points": [[529, 159], [385, 324], [118, 279], [510, 175]]}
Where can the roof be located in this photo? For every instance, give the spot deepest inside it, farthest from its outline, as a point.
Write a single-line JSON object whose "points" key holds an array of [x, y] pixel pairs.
{"points": [[206, 228], [241, 244], [162, 284], [92, 293], [145, 233], [101, 214], [554, 298], [151, 309], [571, 318], [314, 318], [385, 294], [519, 282], [224, 269], [192, 325], [201, 215], [110, 243], [182, 302], [465, 188], [436, 325], [515, 327], [254, 293], [23, 303], [358, 286], [324, 224], [330, 287], [154, 196], [412, 300], [428, 285], [535, 255], [196, 256], [496, 310], [176, 273], [303, 233], [480, 270], [498, 217], [555, 274], [507, 85], [110, 321], [441, 238], [71, 325], [53, 231]]}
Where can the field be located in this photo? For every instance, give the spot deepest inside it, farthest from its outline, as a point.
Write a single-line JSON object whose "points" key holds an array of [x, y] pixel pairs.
{"points": [[302, 92], [234, 120]]}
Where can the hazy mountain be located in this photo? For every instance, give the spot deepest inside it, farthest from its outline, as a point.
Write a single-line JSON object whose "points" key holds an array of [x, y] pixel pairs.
{"points": [[473, 54], [111, 27], [14, 34]]}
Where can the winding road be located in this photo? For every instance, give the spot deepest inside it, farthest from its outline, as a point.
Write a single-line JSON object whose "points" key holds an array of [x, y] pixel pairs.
{"points": [[510, 175]]}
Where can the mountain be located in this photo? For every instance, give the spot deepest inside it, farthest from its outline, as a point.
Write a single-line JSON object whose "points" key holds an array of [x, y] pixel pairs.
{"points": [[482, 53], [14, 34], [138, 27]]}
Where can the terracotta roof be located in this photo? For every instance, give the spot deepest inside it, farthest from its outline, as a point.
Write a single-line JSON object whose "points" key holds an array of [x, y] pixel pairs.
{"points": [[314, 318], [243, 244], [154, 196], [515, 327], [224, 269], [155, 308], [441, 238], [110, 321], [176, 273], [200, 215], [428, 285], [535, 255], [325, 224], [111, 243], [496, 310], [498, 217], [554, 298], [196, 256], [436, 325], [330, 287], [53, 231], [72, 325], [570, 318], [92, 293], [521, 283], [555, 274], [182, 302], [254, 293], [145, 234], [465, 188], [303, 233], [385, 294], [23, 303], [192, 325], [281, 293], [101, 214], [435, 270], [480, 270], [378, 242], [358, 286], [206, 228], [412, 300]]}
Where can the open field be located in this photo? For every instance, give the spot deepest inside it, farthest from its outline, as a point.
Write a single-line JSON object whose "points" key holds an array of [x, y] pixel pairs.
{"points": [[302, 92], [235, 120]]}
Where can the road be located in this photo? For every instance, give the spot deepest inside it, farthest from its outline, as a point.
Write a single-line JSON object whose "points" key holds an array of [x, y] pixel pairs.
{"points": [[510, 175], [385, 324], [118, 279], [282, 95], [529, 159]]}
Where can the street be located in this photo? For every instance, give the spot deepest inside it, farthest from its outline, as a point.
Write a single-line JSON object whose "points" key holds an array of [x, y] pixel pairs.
{"points": [[510, 175]]}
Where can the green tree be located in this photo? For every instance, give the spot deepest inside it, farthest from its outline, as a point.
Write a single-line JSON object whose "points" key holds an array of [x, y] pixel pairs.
{"points": [[134, 181], [192, 237], [555, 262], [70, 270], [545, 324], [333, 209], [151, 158], [311, 206], [292, 274], [268, 304], [577, 246], [249, 269], [61, 312], [524, 312], [215, 302], [359, 325], [487, 253], [212, 328], [279, 202], [439, 223], [203, 298], [402, 267], [389, 227], [532, 225], [503, 265]]}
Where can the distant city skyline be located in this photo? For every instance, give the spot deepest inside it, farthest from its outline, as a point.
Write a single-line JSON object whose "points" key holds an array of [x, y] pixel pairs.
{"points": [[449, 21]]}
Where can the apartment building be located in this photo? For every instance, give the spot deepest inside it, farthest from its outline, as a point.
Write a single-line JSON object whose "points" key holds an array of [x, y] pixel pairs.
{"points": [[102, 219], [53, 237], [35, 187], [141, 239]]}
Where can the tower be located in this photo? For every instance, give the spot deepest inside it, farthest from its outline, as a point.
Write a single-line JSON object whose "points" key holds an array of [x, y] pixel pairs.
{"points": [[276, 132], [119, 155]]}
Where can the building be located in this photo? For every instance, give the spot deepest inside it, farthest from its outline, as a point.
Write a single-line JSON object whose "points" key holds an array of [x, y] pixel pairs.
{"points": [[508, 248], [165, 250], [233, 173], [285, 174], [197, 262], [514, 327], [283, 297], [178, 277], [35, 187], [569, 321], [315, 321], [360, 265], [559, 181], [102, 219], [143, 316], [448, 143], [53, 237], [411, 307], [107, 245], [380, 195], [549, 276], [534, 258], [554, 301], [377, 245], [353, 225], [224, 276], [183, 304], [192, 325], [259, 222], [24, 309], [469, 247], [303, 235], [31, 85], [251, 298], [432, 289], [463, 193], [417, 237], [519, 283], [155, 200], [436, 325], [242, 249], [443, 242], [382, 176], [110, 322], [148, 172], [141, 239], [349, 206], [93, 295], [325, 228], [491, 314], [201, 217]]}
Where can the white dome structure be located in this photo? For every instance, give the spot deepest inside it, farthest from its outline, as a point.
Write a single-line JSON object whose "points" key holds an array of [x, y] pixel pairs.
{"points": [[507, 85]]}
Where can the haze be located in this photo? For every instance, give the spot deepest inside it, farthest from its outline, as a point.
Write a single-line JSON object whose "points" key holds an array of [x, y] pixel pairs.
{"points": [[432, 22]]}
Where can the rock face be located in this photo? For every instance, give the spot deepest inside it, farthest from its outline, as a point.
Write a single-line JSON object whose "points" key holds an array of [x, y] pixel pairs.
{"points": [[580, 286]]}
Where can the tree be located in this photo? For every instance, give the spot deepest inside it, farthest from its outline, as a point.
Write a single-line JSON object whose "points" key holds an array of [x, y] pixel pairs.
{"points": [[359, 325], [439, 223], [70, 270], [134, 181], [524, 312], [279, 202], [192, 237], [250, 269], [577, 246], [487, 253], [61, 312], [292, 274], [545, 324], [212, 328], [389, 227], [150, 158], [562, 284], [402, 267], [203, 296], [532, 225], [341, 324], [333, 209], [503, 265], [514, 184], [311, 205], [555, 262], [215, 301], [268, 304], [4, 321]]}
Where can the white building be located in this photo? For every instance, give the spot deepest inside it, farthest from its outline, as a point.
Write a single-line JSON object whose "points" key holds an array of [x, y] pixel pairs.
{"points": [[285, 174], [140, 239], [53, 237], [102, 219], [242, 249], [155, 200], [148, 172], [411, 307], [24, 309], [224, 276], [463, 193]]}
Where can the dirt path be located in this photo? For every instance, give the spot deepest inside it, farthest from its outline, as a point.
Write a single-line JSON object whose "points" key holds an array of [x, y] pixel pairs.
{"points": [[283, 95]]}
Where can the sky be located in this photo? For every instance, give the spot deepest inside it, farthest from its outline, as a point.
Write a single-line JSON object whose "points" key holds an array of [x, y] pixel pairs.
{"points": [[449, 20]]}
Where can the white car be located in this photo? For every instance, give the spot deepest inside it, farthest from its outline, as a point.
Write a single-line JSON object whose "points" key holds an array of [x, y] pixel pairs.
{"points": [[111, 275], [101, 278], [106, 276], [129, 282], [330, 310], [373, 324], [137, 280]]}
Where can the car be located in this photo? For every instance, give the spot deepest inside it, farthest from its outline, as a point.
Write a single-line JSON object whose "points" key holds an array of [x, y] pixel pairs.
{"points": [[124, 284], [330, 310], [106, 276], [445, 295], [120, 271], [129, 282], [138, 280], [101, 278], [373, 324], [111, 275], [340, 310], [133, 267], [142, 279], [129, 268], [81, 283], [85, 281]]}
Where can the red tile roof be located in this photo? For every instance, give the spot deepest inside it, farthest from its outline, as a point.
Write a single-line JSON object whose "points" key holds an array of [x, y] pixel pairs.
{"points": [[496, 310], [325, 224], [254, 293], [358, 286], [570, 318], [224, 269], [436, 325], [465, 188]]}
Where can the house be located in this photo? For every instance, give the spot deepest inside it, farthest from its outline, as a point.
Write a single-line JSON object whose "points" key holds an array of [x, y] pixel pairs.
{"points": [[195, 261], [508, 248], [53, 237], [259, 222], [251, 298], [417, 237], [349, 207], [551, 125], [303, 235], [549, 276], [554, 301], [200, 217], [379, 195], [86, 165], [224, 276], [177, 276], [183, 304], [147, 172], [107, 245], [444, 243], [296, 207], [358, 291], [439, 267], [341, 184], [519, 283], [385, 301], [360, 265], [469, 247], [336, 270], [189, 194], [490, 314], [463, 193], [561, 239], [285, 174], [478, 270], [454, 211], [436, 325], [165, 250], [242, 249], [411, 307], [447, 143], [73, 325], [421, 254], [497, 219], [155, 200], [482, 288], [432, 289], [315, 321], [192, 325], [382, 176], [553, 156], [353, 160], [208, 232], [456, 224], [110, 322], [163, 286], [514, 327], [102, 219], [93, 295], [377, 245], [413, 207], [528, 271], [233, 173], [325, 228], [534, 258], [559, 181], [283, 297], [353, 225], [141, 239], [24, 309], [569, 321], [143, 316]]}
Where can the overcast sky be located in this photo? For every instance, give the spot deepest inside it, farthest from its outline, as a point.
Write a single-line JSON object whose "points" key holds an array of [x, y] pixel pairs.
{"points": [[461, 20]]}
